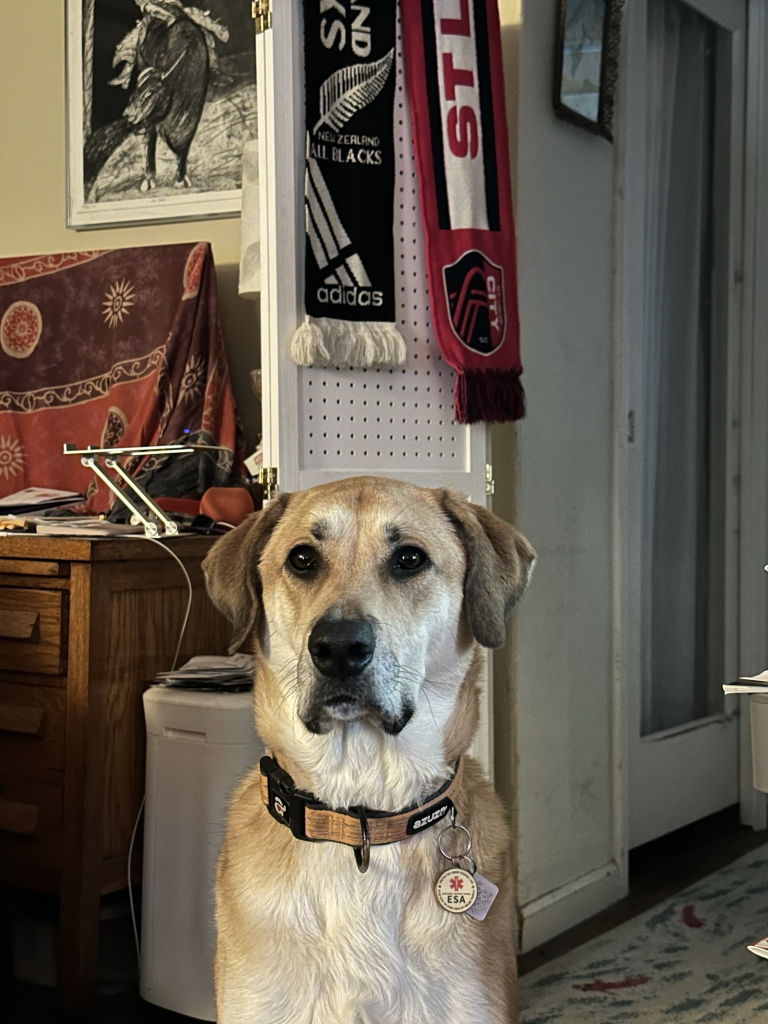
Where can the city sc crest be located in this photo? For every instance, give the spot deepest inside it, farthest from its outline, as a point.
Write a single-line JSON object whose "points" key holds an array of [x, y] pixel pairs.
{"points": [[474, 287]]}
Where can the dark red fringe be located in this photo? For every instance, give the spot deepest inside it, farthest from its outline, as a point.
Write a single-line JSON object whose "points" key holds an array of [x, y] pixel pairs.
{"points": [[488, 396]]}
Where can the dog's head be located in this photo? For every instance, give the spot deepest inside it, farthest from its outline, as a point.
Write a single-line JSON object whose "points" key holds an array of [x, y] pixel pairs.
{"points": [[367, 596]]}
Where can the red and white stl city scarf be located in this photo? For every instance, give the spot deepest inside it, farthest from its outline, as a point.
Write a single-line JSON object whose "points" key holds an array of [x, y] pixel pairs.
{"points": [[455, 88]]}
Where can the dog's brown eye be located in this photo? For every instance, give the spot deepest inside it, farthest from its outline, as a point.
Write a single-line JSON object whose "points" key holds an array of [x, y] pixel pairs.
{"points": [[410, 559], [303, 559]]}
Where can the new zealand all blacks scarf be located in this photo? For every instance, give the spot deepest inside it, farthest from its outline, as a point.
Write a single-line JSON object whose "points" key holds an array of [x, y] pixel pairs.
{"points": [[349, 292], [455, 89]]}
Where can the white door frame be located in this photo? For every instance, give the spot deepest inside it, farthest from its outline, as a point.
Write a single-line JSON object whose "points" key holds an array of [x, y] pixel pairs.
{"points": [[281, 129], [747, 400], [753, 592]]}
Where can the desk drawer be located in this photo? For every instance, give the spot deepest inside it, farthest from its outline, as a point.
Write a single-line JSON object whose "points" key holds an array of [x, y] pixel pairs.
{"points": [[32, 727], [33, 627], [30, 823]]}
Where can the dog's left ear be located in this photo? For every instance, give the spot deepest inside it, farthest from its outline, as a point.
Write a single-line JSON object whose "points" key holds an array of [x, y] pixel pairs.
{"points": [[499, 565], [231, 569]]}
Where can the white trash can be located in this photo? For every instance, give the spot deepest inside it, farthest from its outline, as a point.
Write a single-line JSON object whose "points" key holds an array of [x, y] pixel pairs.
{"points": [[758, 717], [199, 746]]}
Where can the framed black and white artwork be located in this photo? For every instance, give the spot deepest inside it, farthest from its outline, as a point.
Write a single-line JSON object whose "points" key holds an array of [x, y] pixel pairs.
{"points": [[161, 100], [586, 63]]}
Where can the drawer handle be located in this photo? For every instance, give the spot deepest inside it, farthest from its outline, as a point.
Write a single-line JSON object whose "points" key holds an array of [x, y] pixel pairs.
{"points": [[21, 625], [185, 734], [18, 818], [30, 721]]}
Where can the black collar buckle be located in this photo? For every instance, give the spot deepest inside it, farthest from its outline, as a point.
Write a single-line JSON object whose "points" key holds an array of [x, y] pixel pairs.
{"points": [[286, 804]]}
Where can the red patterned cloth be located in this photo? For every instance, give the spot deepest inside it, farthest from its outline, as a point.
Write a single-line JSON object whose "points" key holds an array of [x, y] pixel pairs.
{"points": [[106, 347]]}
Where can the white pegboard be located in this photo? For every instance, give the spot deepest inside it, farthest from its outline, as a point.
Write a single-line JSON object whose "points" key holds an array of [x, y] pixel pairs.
{"points": [[399, 419]]}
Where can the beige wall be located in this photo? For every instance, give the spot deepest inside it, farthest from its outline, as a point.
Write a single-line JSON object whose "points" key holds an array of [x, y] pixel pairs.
{"points": [[33, 182]]}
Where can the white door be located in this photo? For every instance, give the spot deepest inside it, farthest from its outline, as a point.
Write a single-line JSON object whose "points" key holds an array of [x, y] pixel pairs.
{"points": [[324, 424], [681, 449]]}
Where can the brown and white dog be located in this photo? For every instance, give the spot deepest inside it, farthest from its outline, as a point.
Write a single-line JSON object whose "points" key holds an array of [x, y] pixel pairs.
{"points": [[369, 598]]}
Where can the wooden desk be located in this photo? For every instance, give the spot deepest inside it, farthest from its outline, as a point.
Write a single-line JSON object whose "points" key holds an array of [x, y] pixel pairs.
{"points": [[83, 625]]}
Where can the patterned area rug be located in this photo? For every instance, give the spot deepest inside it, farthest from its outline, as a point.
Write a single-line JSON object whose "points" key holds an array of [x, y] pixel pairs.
{"points": [[684, 961]]}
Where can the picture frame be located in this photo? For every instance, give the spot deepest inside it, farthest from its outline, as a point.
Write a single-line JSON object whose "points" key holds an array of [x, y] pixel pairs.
{"points": [[586, 65], [161, 100]]}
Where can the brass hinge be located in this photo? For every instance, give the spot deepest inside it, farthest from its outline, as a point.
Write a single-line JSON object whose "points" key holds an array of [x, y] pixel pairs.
{"points": [[268, 481], [261, 12], [490, 483]]}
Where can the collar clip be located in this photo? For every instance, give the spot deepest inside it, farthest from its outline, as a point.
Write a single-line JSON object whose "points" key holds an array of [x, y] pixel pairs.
{"points": [[286, 803]]}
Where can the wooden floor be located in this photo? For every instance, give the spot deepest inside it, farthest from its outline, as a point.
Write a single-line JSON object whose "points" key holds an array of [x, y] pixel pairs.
{"points": [[657, 871]]}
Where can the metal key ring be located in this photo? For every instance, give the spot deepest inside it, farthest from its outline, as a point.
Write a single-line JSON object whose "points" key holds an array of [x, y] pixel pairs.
{"points": [[453, 856], [363, 852], [470, 860]]}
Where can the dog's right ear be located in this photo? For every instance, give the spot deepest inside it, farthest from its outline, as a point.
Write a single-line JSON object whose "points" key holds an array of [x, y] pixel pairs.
{"points": [[231, 569]]}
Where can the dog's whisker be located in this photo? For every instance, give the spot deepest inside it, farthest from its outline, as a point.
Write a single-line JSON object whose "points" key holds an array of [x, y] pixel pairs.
{"points": [[289, 692], [429, 704], [405, 508], [285, 680]]}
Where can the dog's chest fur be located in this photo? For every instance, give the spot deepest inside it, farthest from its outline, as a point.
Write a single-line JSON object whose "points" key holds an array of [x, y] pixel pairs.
{"points": [[371, 949]]}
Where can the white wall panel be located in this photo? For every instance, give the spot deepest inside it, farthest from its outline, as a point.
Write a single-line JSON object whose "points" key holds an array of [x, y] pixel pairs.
{"points": [[567, 831]]}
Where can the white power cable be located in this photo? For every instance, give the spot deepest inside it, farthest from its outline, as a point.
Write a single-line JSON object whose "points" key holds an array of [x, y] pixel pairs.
{"points": [[183, 568], [154, 540], [130, 890]]}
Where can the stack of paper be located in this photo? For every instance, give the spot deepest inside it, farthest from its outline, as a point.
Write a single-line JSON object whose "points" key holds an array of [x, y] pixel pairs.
{"points": [[211, 672], [82, 526], [35, 499], [749, 684]]}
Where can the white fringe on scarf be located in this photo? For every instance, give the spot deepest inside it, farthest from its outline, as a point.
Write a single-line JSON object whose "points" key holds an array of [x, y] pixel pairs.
{"points": [[321, 341]]}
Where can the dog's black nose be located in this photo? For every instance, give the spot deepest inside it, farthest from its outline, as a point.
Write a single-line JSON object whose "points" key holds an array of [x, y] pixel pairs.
{"points": [[341, 647]]}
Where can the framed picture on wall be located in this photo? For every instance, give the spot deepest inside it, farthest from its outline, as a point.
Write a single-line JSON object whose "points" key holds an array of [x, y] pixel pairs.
{"points": [[161, 99], [586, 63]]}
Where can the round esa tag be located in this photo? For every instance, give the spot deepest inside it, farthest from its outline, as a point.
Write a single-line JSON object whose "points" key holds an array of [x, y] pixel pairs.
{"points": [[456, 891]]}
